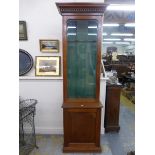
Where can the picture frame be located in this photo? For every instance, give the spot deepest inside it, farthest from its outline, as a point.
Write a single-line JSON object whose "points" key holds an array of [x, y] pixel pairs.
{"points": [[22, 30], [48, 66], [49, 46]]}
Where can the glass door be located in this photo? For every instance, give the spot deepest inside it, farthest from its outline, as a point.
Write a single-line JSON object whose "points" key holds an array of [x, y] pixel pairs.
{"points": [[81, 58]]}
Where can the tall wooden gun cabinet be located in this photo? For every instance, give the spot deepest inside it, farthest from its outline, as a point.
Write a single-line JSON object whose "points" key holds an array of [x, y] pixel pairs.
{"points": [[82, 39]]}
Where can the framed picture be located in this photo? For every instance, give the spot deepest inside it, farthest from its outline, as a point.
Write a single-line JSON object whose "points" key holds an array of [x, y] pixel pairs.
{"points": [[48, 65], [22, 30], [51, 46]]}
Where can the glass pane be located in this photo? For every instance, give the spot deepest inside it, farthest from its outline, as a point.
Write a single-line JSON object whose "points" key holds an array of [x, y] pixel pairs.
{"points": [[81, 58]]}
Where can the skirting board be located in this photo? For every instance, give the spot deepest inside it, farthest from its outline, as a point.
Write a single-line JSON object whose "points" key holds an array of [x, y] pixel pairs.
{"points": [[40, 130]]}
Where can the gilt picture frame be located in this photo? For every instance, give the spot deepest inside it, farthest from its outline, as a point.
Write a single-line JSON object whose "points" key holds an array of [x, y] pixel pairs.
{"points": [[49, 46], [48, 66]]}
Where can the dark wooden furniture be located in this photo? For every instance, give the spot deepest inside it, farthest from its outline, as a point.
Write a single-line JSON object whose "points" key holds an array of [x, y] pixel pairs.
{"points": [[112, 106], [82, 39], [127, 78], [131, 153]]}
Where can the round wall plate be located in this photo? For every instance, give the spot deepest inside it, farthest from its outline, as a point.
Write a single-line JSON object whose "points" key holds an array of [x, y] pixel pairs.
{"points": [[25, 62]]}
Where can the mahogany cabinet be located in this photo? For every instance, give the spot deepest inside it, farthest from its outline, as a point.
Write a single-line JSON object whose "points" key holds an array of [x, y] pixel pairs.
{"points": [[82, 39], [112, 107]]}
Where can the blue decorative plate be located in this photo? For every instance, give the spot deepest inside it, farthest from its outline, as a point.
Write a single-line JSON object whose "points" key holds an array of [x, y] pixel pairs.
{"points": [[25, 62]]}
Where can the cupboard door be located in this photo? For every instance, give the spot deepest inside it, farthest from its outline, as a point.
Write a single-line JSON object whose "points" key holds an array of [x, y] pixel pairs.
{"points": [[81, 125]]}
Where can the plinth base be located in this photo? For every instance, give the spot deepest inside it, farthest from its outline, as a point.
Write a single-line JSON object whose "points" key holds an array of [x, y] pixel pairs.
{"points": [[81, 148], [112, 129]]}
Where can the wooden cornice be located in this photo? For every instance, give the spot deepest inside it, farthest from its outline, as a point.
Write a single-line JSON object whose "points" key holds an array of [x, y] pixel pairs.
{"points": [[81, 8]]}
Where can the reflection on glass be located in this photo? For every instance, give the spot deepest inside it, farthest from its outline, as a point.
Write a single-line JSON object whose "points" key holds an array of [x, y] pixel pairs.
{"points": [[81, 58]]}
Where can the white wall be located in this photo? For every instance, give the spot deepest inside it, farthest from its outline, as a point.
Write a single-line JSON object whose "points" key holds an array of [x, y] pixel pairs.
{"points": [[44, 22], [48, 110], [49, 93]]}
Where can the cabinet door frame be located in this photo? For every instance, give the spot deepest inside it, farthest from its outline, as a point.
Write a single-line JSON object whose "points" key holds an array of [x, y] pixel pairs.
{"points": [[99, 19], [68, 126]]}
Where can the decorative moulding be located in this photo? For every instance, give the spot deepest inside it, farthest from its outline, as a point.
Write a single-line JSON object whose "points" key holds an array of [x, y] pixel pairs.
{"points": [[39, 78], [47, 78], [81, 8]]}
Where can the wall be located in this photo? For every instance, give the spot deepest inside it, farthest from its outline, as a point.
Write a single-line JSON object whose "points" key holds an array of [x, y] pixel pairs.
{"points": [[44, 22], [49, 93]]}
